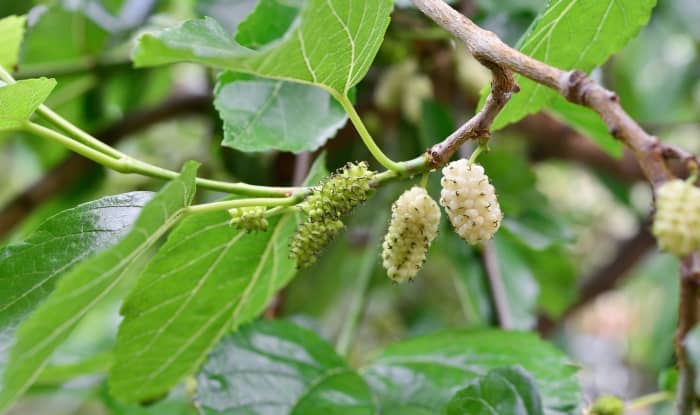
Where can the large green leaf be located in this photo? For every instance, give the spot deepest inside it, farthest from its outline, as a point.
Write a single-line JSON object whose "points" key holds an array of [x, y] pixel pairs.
{"points": [[29, 270], [11, 32], [87, 284], [503, 391], [332, 47], [208, 278], [18, 101], [277, 368], [425, 372], [263, 114], [573, 34]]}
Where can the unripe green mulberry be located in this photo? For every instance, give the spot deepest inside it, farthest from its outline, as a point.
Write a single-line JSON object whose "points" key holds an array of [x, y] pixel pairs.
{"points": [[340, 193], [470, 201], [249, 218], [414, 224], [310, 239], [677, 218], [327, 204]]}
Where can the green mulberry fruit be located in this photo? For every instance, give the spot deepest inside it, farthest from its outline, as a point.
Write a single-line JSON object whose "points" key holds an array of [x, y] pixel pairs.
{"points": [[250, 219], [340, 193], [677, 219], [310, 239], [328, 203], [470, 201], [414, 224]]}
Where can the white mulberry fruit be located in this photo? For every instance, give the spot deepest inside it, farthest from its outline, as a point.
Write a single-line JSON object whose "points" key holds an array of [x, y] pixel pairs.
{"points": [[470, 201], [414, 224], [677, 219]]}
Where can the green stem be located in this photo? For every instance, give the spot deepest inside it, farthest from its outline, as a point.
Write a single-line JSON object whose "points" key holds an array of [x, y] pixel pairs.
{"points": [[239, 203], [366, 136], [424, 180], [71, 129], [80, 148], [361, 287], [126, 164], [65, 125], [478, 150], [647, 400]]}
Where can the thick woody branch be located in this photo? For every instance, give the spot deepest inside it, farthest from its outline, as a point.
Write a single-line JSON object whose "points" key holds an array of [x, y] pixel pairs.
{"points": [[573, 85], [687, 319]]}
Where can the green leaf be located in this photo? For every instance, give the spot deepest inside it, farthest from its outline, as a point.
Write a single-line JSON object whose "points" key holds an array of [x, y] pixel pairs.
{"points": [[263, 114], [588, 123], [11, 32], [425, 372], [332, 46], [276, 367], [269, 21], [81, 289], [207, 279], [573, 34], [18, 101], [503, 391], [521, 286], [29, 270]]}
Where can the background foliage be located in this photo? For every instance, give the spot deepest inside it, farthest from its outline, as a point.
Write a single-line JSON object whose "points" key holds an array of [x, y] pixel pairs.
{"points": [[124, 316]]}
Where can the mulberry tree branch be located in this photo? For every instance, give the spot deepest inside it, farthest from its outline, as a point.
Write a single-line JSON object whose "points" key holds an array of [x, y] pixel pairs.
{"points": [[651, 154], [574, 85]]}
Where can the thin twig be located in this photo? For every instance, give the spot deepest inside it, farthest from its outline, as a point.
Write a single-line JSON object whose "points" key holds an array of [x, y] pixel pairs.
{"points": [[502, 88], [498, 289], [687, 319], [629, 253]]}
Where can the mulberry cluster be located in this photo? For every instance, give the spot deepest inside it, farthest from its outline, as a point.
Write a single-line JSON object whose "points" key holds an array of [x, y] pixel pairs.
{"points": [[470, 201], [250, 219], [414, 224], [677, 219], [325, 207]]}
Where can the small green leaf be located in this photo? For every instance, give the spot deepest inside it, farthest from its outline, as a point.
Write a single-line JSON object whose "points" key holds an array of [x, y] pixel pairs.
{"points": [[348, 31], [29, 270], [81, 289], [425, 372], [263, 114], [18, 101], [268, 22], [578, 34], [275, 367], [11, 33], [503, 391]]}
